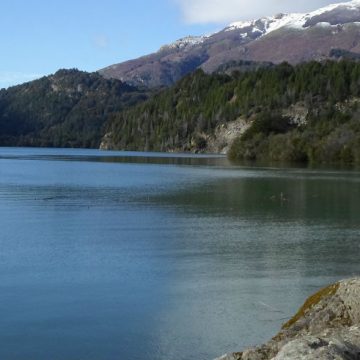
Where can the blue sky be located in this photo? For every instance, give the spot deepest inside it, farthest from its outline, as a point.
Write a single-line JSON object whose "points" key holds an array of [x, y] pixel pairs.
{"points": [[40, 36]]}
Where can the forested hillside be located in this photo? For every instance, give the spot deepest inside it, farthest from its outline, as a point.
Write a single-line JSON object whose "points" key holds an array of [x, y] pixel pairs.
{"points": [[67, 109], [307, 112]]}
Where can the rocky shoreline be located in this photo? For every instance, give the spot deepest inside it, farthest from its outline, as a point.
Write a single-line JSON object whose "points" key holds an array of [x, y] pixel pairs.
{"points": [[326, 327]]}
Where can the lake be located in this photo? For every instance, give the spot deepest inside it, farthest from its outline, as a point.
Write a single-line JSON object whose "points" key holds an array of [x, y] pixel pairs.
{"points": [[112, 255]]}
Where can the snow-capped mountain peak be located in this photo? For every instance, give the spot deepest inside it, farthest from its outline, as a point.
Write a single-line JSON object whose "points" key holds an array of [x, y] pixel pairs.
{"points": [[329, 14], [331, 32]]}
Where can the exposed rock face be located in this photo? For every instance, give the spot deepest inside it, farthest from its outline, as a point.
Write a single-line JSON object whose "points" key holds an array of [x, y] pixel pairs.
{"points": [[106, 142], [225, 135], [297, 113], [326, 327]]}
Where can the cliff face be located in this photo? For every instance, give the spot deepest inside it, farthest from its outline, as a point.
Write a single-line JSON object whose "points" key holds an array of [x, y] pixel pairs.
{"points": [[327, 326]]}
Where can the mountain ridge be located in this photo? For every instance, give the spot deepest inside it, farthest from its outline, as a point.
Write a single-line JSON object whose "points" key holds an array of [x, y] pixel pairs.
{"points": [[294, 38]]}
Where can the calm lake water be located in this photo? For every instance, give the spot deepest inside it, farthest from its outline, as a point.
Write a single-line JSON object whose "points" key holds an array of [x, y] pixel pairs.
{"points": [[107, 256]]}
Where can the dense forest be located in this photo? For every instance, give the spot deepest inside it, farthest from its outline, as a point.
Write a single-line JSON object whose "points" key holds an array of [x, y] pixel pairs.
{"points": [[184, 116], [67, 109], [308, 112]]}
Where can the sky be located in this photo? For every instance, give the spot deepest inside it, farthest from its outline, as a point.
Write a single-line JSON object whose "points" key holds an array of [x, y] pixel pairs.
{"points": [[38, 37]]}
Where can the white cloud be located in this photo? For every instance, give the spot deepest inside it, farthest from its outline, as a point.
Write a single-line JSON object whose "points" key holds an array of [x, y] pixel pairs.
{"points": [[222, 11], [10, 78]]}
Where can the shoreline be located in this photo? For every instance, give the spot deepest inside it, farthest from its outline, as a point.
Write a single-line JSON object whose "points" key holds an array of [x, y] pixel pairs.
{"points": [[327, 326]]}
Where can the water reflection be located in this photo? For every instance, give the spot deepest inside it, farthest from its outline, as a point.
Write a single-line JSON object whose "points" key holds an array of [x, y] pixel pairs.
{"points": [[311, 197], [112, 157]]}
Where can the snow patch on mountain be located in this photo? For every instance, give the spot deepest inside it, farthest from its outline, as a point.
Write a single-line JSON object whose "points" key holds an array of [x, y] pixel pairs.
{"points": [[268, 24], [350, 5], [187, 41]]}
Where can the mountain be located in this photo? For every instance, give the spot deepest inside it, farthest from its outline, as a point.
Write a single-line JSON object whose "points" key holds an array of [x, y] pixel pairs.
{"points": [[67, 109], [284, 37]]}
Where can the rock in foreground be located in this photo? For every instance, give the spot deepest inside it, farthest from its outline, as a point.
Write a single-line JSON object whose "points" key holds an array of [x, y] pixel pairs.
{"points": [[327, 327]]}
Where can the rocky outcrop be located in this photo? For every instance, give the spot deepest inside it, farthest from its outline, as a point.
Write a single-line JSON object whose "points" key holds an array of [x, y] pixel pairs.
{"points": [[107, 142], [225, 134], [327, 327]]}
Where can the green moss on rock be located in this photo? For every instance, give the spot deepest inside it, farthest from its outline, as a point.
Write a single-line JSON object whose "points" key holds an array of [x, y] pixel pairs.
{"points": [[311, 302]]}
